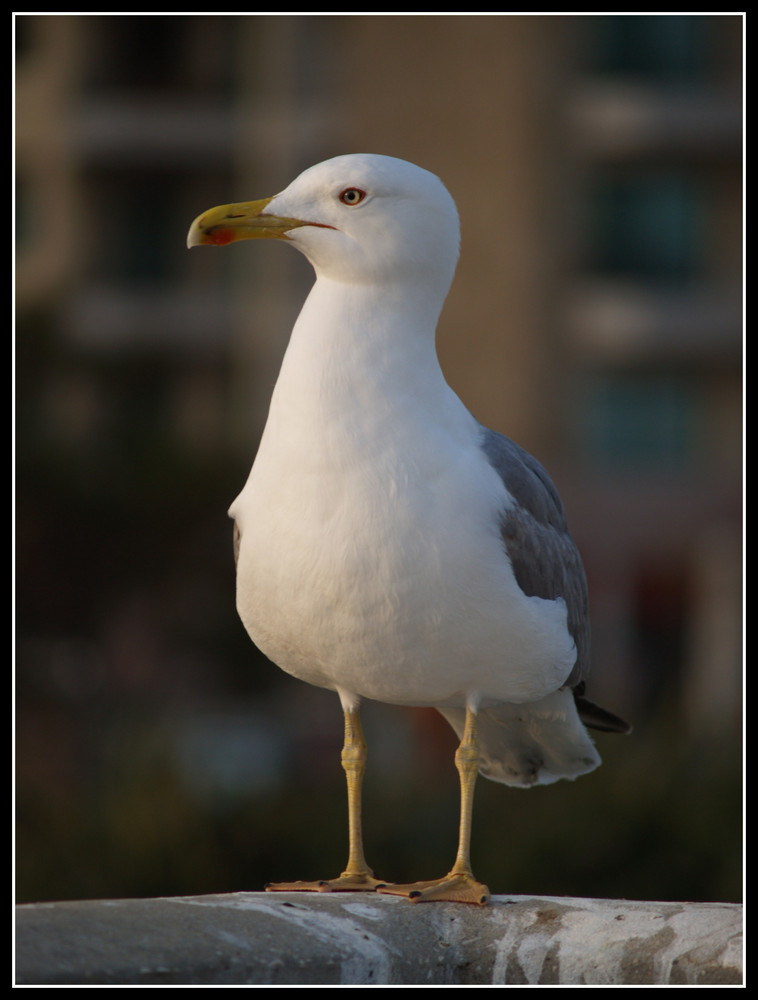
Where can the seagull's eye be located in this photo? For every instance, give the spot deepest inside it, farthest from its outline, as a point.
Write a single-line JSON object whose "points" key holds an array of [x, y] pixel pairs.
{"points": [[352, 196]]}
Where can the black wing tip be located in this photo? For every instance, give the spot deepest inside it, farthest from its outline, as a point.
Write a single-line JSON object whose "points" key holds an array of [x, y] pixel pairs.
{"points": [[600, 718]]}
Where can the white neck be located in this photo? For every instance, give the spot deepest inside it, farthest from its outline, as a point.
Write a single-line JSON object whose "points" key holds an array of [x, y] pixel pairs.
{"points": [[359, 353]]}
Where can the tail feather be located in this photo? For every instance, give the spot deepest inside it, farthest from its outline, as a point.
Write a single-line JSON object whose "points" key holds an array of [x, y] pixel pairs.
{"points": [[536, 743]]}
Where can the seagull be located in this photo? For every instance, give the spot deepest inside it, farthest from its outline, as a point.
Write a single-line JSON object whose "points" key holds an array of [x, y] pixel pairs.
{"points": [[387, 545]]}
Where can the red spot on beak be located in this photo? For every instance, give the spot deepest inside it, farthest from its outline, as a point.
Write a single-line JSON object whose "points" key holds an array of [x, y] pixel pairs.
{"points": [[220, 237]]}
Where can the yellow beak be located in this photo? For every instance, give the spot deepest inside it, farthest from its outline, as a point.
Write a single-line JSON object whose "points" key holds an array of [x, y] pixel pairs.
{"points": [[243, 221]]}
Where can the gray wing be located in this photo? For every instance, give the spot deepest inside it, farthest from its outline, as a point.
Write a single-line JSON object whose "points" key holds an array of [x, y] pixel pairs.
{"points": [[545, 561], [522, 745]]}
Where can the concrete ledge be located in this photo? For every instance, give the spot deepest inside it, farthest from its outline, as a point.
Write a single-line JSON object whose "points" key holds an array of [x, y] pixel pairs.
{"points": [[252, 938]]}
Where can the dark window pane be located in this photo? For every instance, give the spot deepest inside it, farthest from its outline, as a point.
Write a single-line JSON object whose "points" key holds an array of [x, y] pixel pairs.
{"points": [[665, 46], [647, 225]]}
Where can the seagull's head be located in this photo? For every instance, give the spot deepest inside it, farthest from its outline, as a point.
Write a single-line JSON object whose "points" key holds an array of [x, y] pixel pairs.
{"points": [[361, 218]]}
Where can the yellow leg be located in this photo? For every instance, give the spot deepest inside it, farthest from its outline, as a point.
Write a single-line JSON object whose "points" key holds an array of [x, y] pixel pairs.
{"points": [[459, 885], [357, 876]]}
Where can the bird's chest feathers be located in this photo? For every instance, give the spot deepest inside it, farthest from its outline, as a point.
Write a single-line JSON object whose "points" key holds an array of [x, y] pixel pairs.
{"points": [[345, 519], [340, 513]]}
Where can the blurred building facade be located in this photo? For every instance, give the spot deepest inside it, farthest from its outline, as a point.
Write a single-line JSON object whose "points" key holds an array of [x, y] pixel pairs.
{"points": [[596, 316]]}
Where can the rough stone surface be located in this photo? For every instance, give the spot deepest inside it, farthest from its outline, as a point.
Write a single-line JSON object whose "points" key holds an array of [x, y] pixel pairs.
{"points": [[365, 939]]}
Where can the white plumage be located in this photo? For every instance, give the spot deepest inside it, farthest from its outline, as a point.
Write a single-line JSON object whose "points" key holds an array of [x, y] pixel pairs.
{"points": [[389, 546]]}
